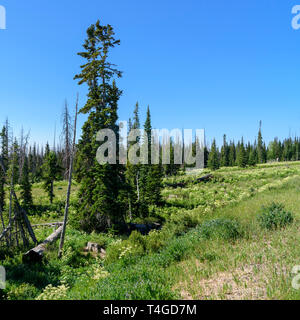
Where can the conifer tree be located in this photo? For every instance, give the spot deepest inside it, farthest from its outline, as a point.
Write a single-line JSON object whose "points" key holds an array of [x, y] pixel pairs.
{"points": [[152, 174], [252, 157], [232, 154], [26, 194], [51, 171], [213, 158], [242, 156], [172, 169], [261, 158], [101, 196], [137, 205], [224, 162]]}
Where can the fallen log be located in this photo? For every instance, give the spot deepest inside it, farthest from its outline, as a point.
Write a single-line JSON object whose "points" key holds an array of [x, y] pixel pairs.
{"points": [[51, 224], [205, 178], [36, 254]]}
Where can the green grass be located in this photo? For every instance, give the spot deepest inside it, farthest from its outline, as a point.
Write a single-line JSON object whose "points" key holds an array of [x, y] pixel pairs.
{"points": [[257, 266]]}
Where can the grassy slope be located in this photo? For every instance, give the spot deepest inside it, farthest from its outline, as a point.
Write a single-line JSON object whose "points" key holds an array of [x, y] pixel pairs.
{"points": [[177, 262], [256, 267]]}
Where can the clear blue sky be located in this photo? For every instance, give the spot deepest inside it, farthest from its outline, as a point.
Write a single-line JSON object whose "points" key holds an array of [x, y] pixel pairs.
{"points": [[219, 65]]}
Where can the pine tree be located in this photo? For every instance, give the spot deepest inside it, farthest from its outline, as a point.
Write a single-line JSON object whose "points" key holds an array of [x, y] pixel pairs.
{"points": [[51, 171], [172, 169], [224, 162], [103, 188], [26, 194], [136, 206], [213, 158], [261, 154], [151, 174], [232, 154], [252, 157], [242, 156]]}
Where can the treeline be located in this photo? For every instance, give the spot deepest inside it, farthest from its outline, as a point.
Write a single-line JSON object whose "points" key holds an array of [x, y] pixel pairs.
{"points": [[243, 155]]}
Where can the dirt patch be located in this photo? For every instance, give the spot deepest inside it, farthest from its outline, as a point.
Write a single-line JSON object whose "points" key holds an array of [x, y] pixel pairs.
{"points": [[240, 284]]}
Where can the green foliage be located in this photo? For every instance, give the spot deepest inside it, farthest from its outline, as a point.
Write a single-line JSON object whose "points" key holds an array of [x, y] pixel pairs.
{"points": [[51, 172], [151, 174], [155, 241], [275, 216], [126, 250], [213, 158], [224, 162], [222, 228], [25, 185], [13, 164], [242, 159], [103, 188], [23, 291]]}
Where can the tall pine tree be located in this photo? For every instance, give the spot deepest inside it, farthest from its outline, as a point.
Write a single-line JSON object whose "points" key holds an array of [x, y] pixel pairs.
{"points": [[101, 196], [152, 174]]}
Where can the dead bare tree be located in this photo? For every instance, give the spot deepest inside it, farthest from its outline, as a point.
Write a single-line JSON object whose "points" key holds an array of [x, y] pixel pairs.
{"points": [[23, 144], [20, 216], [66, 137], [62, 238]]}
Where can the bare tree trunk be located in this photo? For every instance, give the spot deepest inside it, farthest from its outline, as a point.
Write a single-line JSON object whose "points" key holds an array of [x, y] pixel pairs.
{"points": [[52, 188], [22, 152], [11, 193], [66, 133], [62, 238], [21, 214], [129, 204], [138, 187], [3, 227]]}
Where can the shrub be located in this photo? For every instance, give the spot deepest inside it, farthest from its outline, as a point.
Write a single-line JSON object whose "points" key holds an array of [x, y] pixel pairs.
{"points": [[22, 291], [186, 219], [221, 228], [274, 216], [138, 239], [155, 240], [124, 250], [54, 293]]}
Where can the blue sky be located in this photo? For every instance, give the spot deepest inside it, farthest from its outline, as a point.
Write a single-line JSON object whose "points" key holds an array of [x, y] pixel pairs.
{"points": [[219, 65]]}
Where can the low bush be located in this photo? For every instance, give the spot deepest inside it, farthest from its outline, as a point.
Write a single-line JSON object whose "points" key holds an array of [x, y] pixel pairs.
{"points": [[125, 250], [22, 291], [156, 240], [221, 228], [274, 216]]}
